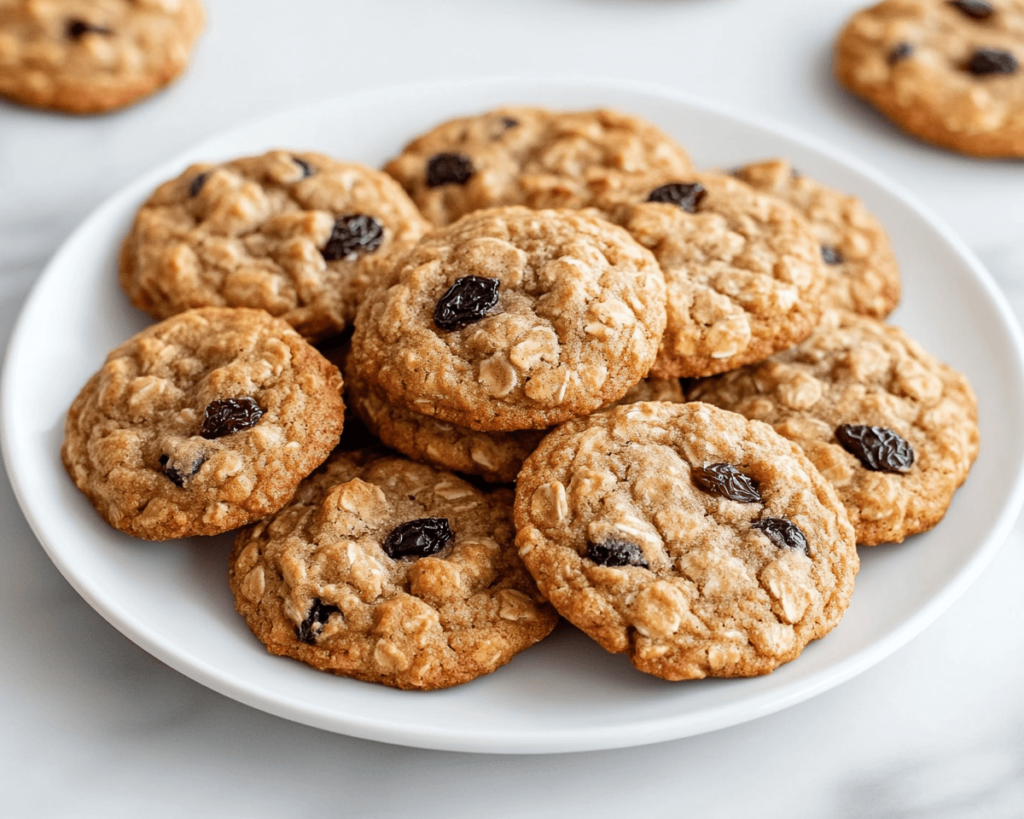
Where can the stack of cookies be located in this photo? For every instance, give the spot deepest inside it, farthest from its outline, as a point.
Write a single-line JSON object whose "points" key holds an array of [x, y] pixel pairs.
{"points": [[685, 375]]}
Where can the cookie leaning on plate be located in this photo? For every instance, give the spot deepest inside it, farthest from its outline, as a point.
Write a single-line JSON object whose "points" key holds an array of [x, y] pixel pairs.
{"points": [[89, 57], [389, 571], [298, 234], [696, 541], [947, 72], [202, 423]]}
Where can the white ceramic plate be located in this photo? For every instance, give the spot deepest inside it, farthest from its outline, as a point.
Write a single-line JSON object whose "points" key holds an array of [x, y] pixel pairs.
{"points": [[565, 694]]}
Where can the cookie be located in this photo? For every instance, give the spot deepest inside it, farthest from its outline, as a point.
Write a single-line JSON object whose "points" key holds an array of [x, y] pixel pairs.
{"points": [[532, 157], [947, 72], [699, 543], [743, 271], [894, 429], [494, 456], [202, 423], [298, 234], [861, 273], [91, 56], [513, 318], [392, 572]]}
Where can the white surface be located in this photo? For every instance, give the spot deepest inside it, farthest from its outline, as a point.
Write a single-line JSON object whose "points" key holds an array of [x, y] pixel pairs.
{"points": [[172, 598], [93, 726]]}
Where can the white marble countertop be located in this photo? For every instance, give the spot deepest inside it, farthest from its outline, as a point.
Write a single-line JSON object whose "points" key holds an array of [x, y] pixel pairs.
{"points": [[94, 726]]}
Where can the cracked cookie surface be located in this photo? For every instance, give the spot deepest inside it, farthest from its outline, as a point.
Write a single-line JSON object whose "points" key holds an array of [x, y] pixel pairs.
{"points": [[857, 371], [298, 234], [91, 56], [322, 582], [948, 73], [202, 423], [533, 157], [565, 312], [629, 533]]}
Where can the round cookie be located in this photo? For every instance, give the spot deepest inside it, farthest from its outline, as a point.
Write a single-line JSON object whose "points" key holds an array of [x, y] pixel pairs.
{"points": [[298, 234], [513, 318], [392, 572], [91, 56], [946, 72], [861, 273], [494, 456], [532, 157], [743, 271], [854, 374], [699, 543], [202, 423]]}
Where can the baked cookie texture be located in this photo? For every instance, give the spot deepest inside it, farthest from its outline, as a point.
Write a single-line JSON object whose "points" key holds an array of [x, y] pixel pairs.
{"points": [[562, 313], [628, 532], [202, 423], [857, 371], [946, 72], [91, 56], [533, 157], [861, 272], [298, 234], [743, 272], [321, 582]]}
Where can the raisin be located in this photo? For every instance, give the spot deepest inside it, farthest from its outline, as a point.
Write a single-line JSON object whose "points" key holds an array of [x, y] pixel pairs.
{"points": [[991, 61], [418, 538], [782, 533], [466, 301], [314, 623], [307, 169], [899, 52], [509, 122], [614, 552], [77, 29], [228, 415], [686, 196], [977, 9], [196, 184], [727, 481], [352, 235], [178, 476], [878, 448], [449, 169], [832, 255]]}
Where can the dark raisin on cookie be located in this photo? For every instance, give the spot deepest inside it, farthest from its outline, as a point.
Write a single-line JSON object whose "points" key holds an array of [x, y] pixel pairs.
{"points": [[509, 122], [418, 538], [77, 29], [314, 623], [726, 481], [449, 169], [984, 61], [685, 195], [466, 301], [782, 533], [614, 552], [307, 169], [976, 9], [832, 255], [357, 233], [178, 476], [900, 52], [197, 183], [229, 415], [878, 448]]}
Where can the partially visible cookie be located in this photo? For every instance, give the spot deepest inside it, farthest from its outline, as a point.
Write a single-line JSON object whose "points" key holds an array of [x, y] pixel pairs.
{"points": [[202, 423], [743, 272], [861, 273], [298, 234], [894, 429], [513, 318], [696, 541], [533, 157], [392, 572], [946, 72], [91, 56]]}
